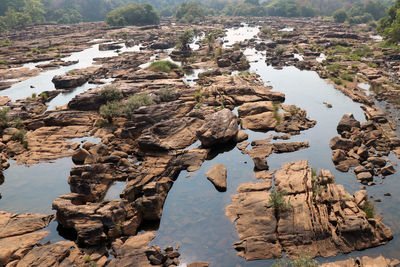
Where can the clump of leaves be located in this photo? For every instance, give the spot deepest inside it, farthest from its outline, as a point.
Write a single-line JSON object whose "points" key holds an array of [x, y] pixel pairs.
{"points": [[369, 209], [167, 94], [198, 95], [4, 118], [163, 66], [278, 202], [111, 93], [110, 110], [276, 112], [136, 101]]}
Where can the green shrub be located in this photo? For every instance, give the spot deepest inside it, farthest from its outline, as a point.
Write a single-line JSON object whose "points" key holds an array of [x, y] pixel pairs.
{"points": [[198, 95], [277, 201], [267, 30], [276, 112], [110, 93], [4, 118], [369, 209], [279, 50], [44, 97], [136, 101], [347, 77], [163, 66], [167, 94], [110, 110], [19, 136]]}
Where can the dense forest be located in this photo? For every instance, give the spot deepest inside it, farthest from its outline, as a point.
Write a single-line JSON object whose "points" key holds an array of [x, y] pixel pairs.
{"points": [[16, 13]]}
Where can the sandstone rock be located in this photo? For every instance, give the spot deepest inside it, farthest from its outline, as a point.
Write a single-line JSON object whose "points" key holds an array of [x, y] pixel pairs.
{"points": [[217, 176], [340, 143], [198, 264], [365, 177], [80, 155], [378, 162], [111, 46], [68, 81], [255, 108], [364, 261], [218, 128], [338, 156], [132, 253], [388, 170], [241, 136], [347, 123], [260, 122], [323, 223]]}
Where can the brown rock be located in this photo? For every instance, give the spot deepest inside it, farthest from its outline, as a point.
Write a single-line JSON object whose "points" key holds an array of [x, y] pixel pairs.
{"points": [[347, 123], [218, 128], [260, 122], [80, 155], [217, 176]]}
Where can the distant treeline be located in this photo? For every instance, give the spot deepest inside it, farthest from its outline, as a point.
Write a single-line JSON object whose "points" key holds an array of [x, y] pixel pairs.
{"points": [[16, 13]]}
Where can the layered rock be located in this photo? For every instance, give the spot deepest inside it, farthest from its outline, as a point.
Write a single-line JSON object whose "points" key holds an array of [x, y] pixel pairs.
{"points": [[19, 234], [322, 218]]}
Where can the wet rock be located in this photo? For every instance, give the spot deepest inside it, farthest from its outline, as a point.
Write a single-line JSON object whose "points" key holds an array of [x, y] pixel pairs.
{"points": [[265, 233], [223, 62], [241, 136], [347, 123], [163, 44], [218, 128], [217, 176], [69, 81]]}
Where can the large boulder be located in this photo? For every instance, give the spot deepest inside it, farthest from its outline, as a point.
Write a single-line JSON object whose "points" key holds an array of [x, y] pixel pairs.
{"points": [[218, 128], [69, 81], [347, 123]]}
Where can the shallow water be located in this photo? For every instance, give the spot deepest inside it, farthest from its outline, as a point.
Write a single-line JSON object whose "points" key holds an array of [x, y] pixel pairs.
{"points": [[33, 189], [194, 211], [42, 82]]}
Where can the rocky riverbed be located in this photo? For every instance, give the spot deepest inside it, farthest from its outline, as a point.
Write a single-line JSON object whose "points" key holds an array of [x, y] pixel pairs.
{"points": [[215, 120]]}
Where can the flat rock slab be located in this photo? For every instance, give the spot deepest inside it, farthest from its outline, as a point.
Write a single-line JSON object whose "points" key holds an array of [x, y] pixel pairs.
{"points": [[217, 176], [364, 261], [323, 219], [19, 234]]}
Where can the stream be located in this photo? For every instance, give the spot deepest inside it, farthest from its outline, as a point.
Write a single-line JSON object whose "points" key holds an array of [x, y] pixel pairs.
{"points": [[194, 211]]}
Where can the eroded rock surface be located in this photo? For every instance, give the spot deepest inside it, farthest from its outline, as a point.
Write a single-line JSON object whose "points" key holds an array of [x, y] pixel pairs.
{"points": [[217, 176], [323, 219]]}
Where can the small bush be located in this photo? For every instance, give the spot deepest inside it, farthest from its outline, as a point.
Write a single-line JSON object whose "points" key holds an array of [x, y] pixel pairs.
{"points": [[4, 118], [44, 97], [21, 137], [198, 95], [277, 201], [87, 258], [369, 209], [167, 94], [163, 66], [276, 112], [110, 110], [347, 77], [111, 93], [136, 101], [279, 50], [266, 30]]}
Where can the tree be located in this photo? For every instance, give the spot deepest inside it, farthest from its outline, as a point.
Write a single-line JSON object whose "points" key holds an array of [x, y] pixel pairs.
{"points": [[340, 15], [189, 12], [134, 14], [34, 9], [185, 39], [389, 26]]}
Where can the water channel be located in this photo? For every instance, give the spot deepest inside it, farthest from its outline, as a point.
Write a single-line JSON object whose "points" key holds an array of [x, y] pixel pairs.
{"points": [[194, 211]]}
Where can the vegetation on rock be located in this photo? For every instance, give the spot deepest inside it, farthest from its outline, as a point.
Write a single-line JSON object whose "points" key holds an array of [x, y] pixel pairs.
{"points": [[163, 66]]}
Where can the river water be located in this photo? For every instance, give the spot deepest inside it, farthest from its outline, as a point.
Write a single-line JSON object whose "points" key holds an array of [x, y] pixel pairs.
{"points": [[194, 211]]}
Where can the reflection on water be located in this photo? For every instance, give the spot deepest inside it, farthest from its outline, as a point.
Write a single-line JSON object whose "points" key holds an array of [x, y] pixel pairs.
{"points": [[115, 190], [235, 35], [33, 189]]}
